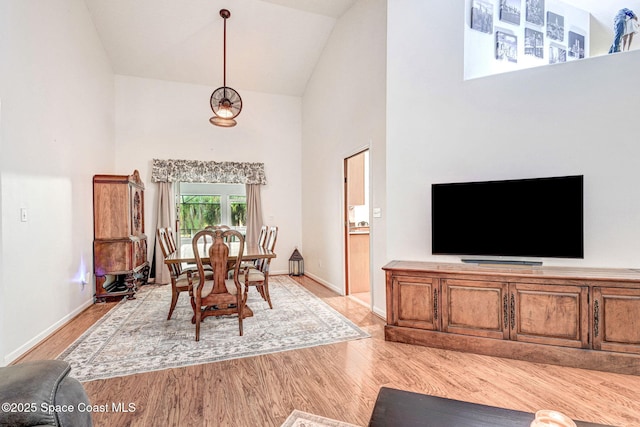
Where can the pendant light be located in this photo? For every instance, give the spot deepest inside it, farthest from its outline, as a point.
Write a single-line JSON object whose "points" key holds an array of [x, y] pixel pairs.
{"points": [[225, 101]]}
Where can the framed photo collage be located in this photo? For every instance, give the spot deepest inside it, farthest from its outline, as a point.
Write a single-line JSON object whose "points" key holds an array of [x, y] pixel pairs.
{"points": [[538, 23]]}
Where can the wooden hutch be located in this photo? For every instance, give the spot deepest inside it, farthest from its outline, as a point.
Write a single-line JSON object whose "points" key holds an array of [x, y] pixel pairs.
{"points": [[120, 246]]}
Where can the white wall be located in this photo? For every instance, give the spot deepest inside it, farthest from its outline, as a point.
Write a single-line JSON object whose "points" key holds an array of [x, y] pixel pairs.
{"points": [[168, 120], [573, 118], [56, 87], [343, 111]]}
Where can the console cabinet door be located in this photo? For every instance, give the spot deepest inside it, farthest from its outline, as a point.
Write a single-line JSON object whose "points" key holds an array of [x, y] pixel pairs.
{"points": [[476, 308], [616, 320], [416, 302], [549, 314]]}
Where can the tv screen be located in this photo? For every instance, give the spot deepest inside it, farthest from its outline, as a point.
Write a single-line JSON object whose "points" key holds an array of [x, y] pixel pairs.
{"points": [[541, 217]]}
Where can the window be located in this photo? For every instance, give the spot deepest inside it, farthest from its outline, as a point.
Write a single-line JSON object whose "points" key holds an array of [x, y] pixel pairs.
{"points": [[201, 205]]}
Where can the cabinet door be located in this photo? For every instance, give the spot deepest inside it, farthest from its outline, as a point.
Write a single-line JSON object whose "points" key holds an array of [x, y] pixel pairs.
{"points": [[111, 211], [475, 308], [416, 302], [616, 324], [113, 256], [549, 314], [139, 254]]}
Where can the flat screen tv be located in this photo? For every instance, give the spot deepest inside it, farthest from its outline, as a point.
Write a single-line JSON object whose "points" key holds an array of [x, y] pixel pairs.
{"points": [[540, 217]]}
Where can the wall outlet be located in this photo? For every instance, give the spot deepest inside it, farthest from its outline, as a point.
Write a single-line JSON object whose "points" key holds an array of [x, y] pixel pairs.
{"points": [[86, 280]]}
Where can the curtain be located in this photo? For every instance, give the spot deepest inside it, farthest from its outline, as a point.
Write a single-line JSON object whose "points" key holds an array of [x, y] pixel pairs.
{"points": [[165, 218], [207, 171], [254, 213]]}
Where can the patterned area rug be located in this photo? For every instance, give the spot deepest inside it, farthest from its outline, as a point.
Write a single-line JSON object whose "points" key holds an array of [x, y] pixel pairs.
{"points": [[135, 336], [304, 419]]}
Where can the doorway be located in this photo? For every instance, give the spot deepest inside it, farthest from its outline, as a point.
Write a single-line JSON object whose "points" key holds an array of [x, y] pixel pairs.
{"points": [[357, 230]]}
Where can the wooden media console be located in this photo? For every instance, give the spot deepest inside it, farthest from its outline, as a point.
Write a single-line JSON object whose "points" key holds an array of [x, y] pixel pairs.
{"points": [[579, 317]]}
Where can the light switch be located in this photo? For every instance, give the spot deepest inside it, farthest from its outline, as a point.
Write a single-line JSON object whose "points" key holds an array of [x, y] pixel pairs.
{"points": [[23, 214], [377, 213]]}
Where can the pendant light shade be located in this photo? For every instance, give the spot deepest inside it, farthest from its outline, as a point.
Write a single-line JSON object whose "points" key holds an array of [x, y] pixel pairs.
{"points": [[225, 102]]}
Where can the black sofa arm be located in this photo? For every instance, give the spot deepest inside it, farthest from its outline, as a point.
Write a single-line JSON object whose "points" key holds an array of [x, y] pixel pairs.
{"points": [[42, 393]]}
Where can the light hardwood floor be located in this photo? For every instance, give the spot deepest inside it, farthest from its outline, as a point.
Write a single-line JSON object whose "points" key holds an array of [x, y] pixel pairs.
{"points": [[341, 381]]}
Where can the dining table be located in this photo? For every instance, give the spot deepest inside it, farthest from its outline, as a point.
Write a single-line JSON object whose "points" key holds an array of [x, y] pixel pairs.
{"points": [[251, 252]]}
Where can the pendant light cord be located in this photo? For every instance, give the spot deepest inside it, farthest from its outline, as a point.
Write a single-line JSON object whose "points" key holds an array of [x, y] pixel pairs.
{"points": [[224, 58]]}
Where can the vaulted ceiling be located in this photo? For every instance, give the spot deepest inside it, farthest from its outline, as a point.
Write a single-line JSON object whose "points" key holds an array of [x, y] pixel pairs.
{"points": [[272, 45]]}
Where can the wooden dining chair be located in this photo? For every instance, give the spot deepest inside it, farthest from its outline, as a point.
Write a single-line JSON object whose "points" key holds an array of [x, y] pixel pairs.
{"points": [[222, 295], [259, 276], [181, 280]]}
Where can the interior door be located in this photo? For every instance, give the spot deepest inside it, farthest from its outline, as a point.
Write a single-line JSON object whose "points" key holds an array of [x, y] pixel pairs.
{"points": [[357, 231]]}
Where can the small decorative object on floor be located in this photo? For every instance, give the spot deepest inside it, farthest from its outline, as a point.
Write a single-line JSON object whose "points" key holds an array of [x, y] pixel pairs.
{"points": [[304, 419], [296, 264], [549, 418]]}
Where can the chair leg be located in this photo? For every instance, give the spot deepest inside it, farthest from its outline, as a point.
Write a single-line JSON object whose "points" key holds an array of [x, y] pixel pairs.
{"points": [[174, 301], [198, 319], [265, 289], [242, 302], [193, 307], [240, 316]]}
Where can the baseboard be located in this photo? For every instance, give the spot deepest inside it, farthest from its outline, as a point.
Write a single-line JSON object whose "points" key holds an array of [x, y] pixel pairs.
{"points": [[23, 349], [279, 273], [325, 283], [380, 313]]}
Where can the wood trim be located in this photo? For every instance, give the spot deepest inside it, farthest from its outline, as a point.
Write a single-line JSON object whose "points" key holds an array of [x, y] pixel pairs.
{"points": [[615, 277]]}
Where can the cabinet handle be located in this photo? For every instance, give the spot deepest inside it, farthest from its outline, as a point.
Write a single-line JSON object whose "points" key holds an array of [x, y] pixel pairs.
{"points": [[435, 304], [513, 310], [596, 318], [505, 307]]}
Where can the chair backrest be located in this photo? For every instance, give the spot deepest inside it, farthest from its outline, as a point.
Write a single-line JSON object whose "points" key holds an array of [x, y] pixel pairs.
{"points": [[262, 237], [218, 256], [217, 227], [161, 233], [207, 241], [167, 249], [273, 236], [171, 241], [270, 244]]}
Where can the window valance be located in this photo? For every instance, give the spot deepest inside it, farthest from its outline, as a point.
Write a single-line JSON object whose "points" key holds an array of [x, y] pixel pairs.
{"points": [[208, 171]]}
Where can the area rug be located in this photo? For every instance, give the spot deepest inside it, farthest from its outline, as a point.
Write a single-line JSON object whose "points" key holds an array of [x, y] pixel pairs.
{"points": [[304, 419], [135, 336]]}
